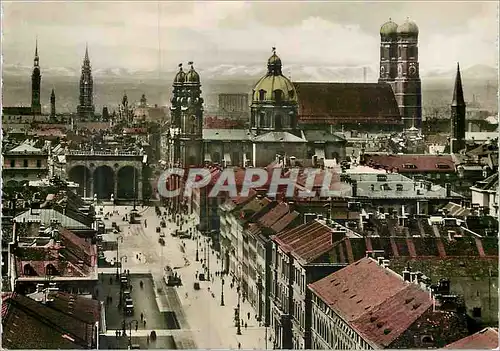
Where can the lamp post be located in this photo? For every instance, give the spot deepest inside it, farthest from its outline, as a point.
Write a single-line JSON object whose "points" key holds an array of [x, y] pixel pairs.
{"points": [[197, 255], [208, 256], [130, 329], [119, 239], [238, 322], [222, 292]]}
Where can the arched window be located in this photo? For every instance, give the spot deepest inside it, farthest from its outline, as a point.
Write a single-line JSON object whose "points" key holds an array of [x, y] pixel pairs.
{"points": [[192, 161], [193, 124], [28, 270], [399, 51], [262, 94], [278, 96], [285, 121], [50, 270]]}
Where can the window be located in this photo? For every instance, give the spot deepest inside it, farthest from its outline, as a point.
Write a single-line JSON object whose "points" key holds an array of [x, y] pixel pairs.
{"points": [[262, 120], [50, 270], [278, 96], [12, 163], [399, 52], [278, 123], [28, 270], [25, 163], [39, 163], [262, 94]]}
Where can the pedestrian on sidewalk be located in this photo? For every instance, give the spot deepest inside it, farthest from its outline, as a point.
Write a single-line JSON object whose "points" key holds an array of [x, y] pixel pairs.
{"points": [[142, 316], [248, 315], [239, 346], [246, 325], [110, 280], [144, 322]]}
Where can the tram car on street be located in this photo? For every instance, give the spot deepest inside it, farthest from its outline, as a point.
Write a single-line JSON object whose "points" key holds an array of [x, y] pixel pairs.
{"points": [[171, 277]]}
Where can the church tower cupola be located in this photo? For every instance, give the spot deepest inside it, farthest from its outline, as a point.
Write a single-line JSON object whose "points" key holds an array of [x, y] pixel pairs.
{"points": [[85, 108], [187, 118], [36, 80], [458, 111], [408, 87], [388, 52], [274, 100]]}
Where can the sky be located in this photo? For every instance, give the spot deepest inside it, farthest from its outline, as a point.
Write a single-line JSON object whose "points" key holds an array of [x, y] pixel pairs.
{"points": [[130, 34]]}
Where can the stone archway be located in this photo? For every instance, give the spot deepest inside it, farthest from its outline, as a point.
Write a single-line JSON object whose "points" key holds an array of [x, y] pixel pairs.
{"points": [[128, 182], [82, 176], [104, 182]]}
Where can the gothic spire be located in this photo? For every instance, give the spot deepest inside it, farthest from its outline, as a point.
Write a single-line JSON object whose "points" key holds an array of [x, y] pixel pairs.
{"points": [[458, 92], [87, 52], [37, 59]]}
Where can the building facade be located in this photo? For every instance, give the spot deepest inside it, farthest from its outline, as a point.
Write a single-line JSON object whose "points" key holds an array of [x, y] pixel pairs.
{"points": [[24, 163]]}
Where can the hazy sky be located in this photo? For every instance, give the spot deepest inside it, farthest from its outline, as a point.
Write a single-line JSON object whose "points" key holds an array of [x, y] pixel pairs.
{"points": [[128, 34]]}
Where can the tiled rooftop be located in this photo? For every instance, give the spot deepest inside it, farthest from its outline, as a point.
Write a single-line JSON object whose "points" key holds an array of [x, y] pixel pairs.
{"points": [[45, 216], [412, 163], [486, 339]]}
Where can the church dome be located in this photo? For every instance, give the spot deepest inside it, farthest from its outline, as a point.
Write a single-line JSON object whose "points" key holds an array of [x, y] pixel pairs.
{"points": [[389, 28], [274, 87], [180, 77], [192, 76], [408, 28]]}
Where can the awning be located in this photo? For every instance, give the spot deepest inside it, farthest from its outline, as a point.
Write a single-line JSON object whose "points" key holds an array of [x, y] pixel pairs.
{"points": [[320, 153], [208, 158]]}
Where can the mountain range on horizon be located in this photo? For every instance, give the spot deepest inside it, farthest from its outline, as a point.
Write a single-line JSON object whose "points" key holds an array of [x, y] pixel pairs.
{"points": [[298, 72]]}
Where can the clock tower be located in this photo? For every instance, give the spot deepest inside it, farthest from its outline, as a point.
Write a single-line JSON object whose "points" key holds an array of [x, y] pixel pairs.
{"points": [[407, 86]]}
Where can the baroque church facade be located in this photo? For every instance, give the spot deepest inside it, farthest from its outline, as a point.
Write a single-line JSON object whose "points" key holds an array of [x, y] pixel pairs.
{"points": [[301, 120]]}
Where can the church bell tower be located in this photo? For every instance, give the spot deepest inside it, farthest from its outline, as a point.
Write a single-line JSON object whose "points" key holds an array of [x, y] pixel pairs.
{"points": [[408, 87], [187, 118], [36, 79], [457, 140]]}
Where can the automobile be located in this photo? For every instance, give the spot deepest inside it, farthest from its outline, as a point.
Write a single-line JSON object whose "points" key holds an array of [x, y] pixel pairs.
{"points": [[158, 229], [163, 224], [161, 241], [126, 295], [184, 235], [129, 307], [162, 235]]}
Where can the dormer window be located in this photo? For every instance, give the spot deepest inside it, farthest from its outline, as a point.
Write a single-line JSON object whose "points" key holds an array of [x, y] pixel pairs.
{"points": [[442, 166], [409, 166]]}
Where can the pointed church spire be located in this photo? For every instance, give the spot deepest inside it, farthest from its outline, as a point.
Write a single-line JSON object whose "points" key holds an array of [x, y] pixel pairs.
{"points": [[36, 59], [458, 92], [86, 52]]}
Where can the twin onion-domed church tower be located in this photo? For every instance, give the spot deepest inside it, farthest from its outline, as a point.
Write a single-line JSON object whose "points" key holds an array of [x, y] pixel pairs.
{"points": [[187, 118], [399, 68]]}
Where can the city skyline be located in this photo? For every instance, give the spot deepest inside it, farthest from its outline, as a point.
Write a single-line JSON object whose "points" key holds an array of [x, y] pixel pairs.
{"points": [[241, 33]]}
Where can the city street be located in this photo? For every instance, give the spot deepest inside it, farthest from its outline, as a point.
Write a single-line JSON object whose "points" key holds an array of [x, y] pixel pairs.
{"points": [[198, 312]]}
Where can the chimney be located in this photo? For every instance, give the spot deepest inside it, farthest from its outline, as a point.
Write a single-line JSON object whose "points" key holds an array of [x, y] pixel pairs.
{"points": [[448, 189], [406, 275], [369, 254], [39, 288], [380, 260], [354, 185], [385, 263], [419, 276]]}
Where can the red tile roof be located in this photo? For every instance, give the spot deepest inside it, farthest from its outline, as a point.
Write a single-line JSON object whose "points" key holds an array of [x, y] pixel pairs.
{"points": [[361, 279], [306, 242], [386, 322], [214, 122], [285, 222], [421, 163], [338, 103], [486, 339], [380, 317], [46, 328]]}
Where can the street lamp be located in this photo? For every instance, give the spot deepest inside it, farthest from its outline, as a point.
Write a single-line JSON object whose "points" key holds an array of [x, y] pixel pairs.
{"points": [[259, 308], [119, 239], [208, 256], [197, 257], [129, 323]]}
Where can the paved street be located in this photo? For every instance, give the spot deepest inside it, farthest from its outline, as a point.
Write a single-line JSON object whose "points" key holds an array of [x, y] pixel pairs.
{"points": [[198, 312]]}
